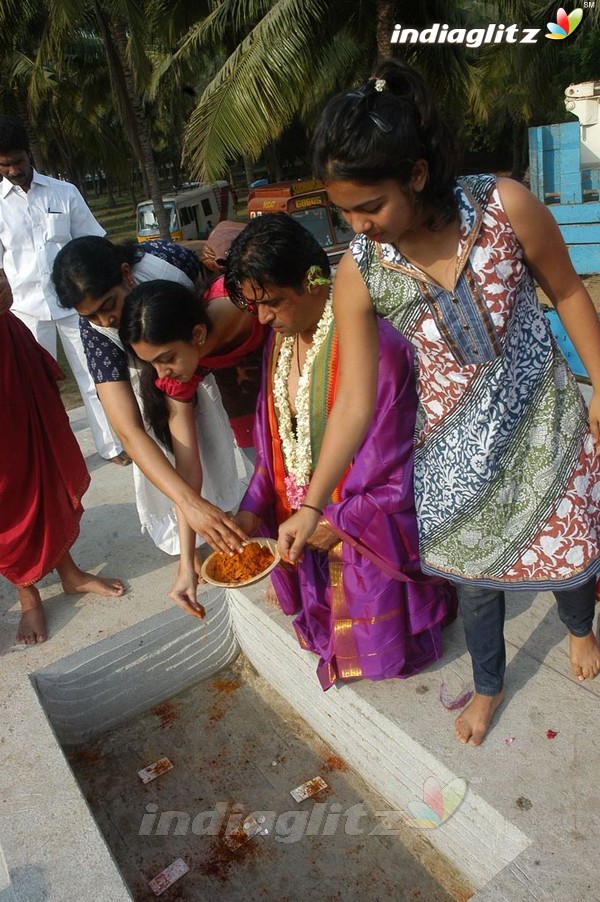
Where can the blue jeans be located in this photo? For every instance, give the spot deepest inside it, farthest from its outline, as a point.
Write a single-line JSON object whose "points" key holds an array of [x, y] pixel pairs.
{"points": [[482, 612]]}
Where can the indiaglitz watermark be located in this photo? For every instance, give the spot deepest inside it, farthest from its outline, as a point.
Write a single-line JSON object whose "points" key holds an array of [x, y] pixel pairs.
{"points": [[321, 819], [441, 33], [491, 33]]}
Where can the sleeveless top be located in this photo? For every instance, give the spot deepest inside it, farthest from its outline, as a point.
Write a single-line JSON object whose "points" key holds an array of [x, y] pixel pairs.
{"points": [[507, 485]]}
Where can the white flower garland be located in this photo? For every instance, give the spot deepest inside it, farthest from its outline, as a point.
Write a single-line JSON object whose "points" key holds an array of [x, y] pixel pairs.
{"points": [[296, 448]]}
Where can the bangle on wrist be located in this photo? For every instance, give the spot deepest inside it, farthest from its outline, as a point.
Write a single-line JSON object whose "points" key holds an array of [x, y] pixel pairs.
{"points": [[313, 508]]}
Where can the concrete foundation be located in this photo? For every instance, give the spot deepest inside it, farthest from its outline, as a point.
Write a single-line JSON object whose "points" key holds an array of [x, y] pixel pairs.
{"points": [[526, 829]]}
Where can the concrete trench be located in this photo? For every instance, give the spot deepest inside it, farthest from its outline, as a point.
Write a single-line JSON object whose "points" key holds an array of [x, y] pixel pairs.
{"points": [[526, 829]]}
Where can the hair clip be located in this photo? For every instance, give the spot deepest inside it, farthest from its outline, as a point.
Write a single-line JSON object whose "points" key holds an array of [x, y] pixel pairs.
{"points": [[381, 124], [380, 84]]}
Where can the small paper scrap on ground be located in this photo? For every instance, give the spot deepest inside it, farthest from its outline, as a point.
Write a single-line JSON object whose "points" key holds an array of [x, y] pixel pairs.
{"points": [[452, 704], [509, 741], [242, 834], [168, 877], [308, 789], [147, 774], [551, 734]]}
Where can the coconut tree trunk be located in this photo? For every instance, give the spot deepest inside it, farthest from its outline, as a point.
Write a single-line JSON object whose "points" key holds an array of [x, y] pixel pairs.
{"points": [[384, 26], [109, 190], [149, 167], [130, 105], [26, 121], [67, 162], [273, 163], [248, 169]]}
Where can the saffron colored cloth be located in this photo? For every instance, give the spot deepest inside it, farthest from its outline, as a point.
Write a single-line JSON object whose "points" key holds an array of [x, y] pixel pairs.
{"points": [[43, 475], [237, 373], [365, 609]]}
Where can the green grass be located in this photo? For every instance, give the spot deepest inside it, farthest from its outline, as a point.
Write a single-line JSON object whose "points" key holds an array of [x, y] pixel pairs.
{"points": [[118, 221]]}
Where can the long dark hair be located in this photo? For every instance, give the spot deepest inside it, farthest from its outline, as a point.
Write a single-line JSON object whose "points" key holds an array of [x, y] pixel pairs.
{"points": [[90, 266], [380, 130], [159, 312]]}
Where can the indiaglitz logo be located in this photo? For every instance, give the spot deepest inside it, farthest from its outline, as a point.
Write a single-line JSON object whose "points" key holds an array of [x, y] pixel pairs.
{"points": [[439, 802], [565, 24]]}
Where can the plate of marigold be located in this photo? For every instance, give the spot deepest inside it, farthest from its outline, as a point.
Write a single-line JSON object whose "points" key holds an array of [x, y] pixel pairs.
{"points": [[257, 558]]}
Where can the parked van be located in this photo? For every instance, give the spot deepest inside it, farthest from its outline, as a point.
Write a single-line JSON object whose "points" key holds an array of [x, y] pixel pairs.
{"points": [[193, 210], [307, 202]]}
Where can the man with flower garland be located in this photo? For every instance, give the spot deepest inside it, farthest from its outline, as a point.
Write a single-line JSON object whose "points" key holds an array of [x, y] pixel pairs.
{"points": [[362, 603]]}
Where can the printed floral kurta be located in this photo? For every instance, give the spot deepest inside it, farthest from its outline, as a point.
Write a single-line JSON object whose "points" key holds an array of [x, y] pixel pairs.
{"points": [[507, 484]]}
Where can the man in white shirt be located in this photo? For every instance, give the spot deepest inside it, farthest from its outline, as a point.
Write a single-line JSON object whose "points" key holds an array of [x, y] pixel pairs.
{"points": [[38, 216]]}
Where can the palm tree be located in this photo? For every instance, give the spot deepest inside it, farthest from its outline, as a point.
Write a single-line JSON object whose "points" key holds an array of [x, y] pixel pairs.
{"points": [[22, 79], [289, 56], [122, 26], [514, 87]]}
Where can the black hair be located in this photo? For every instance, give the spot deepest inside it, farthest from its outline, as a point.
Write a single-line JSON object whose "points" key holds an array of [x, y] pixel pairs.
{"points": [[159, 312], [370, 135], [90, 266], [12, 136], [273, 249]]}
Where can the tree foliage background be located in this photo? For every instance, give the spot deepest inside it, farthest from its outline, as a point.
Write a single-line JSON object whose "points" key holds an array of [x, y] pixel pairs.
{"points": [[200, 89]]}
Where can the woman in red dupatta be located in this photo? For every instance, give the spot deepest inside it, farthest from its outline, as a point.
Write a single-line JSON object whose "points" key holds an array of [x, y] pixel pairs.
{"points": [[43, 477]]}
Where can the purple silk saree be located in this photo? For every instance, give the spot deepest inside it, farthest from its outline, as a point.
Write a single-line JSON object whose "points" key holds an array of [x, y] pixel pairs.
{"points": [[365, 608]]}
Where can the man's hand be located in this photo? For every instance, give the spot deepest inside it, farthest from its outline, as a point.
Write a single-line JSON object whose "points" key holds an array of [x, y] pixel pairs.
{"points": [[6, 297], [183, 593], [295, 532], [323, 538], [216, 527]]}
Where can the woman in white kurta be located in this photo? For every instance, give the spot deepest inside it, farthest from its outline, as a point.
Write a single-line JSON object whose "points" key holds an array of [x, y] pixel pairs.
{"points": [[94, 276]]}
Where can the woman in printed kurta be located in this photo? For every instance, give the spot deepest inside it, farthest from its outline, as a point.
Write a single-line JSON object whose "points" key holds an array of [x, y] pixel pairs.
{"points": [[506, 476], [504, 458]]}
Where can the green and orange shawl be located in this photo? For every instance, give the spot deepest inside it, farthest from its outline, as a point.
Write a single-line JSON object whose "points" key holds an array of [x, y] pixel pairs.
{"points": [[323, 389]]}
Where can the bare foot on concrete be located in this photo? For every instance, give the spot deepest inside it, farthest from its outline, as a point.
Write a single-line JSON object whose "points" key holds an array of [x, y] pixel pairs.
{"points": [[472, 725], [32, 625], [585, 656], [76, 581]]}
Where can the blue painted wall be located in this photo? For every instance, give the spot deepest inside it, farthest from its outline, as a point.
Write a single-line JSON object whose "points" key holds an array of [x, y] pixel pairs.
{"points": [[572, 194]]}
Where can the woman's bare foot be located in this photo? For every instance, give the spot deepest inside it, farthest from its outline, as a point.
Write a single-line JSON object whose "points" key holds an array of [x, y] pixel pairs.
{"points": [[585, 656], [76, 581], [472, 725], [32, 625]]}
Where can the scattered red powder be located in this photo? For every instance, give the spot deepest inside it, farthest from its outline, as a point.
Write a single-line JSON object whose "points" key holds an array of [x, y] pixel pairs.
{"points": [[228, 687], [88, 756], [332, 762], [168, 712]]}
